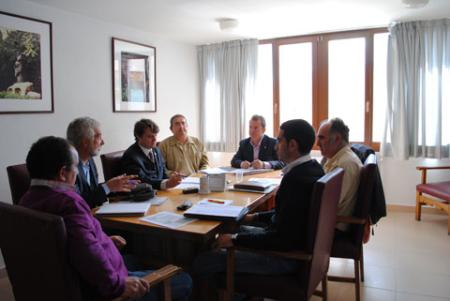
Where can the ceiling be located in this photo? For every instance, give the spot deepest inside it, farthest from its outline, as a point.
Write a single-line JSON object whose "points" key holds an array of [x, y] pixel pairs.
{"points": [[195, 21]]}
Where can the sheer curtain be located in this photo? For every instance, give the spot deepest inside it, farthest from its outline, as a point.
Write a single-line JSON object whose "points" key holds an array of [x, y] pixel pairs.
{"points": [[227, 74], [418, 80]]}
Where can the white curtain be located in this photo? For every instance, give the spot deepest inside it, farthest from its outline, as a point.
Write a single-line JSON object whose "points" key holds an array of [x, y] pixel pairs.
{"points": [[227, 74], [418, 80]]}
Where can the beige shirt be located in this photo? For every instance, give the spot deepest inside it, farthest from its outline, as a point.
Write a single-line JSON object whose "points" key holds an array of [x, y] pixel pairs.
{"points": [[346, 159], [185, 158]]}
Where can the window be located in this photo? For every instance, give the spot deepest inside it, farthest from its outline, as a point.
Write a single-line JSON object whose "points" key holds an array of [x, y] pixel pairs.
{"points": [[319, 77]]}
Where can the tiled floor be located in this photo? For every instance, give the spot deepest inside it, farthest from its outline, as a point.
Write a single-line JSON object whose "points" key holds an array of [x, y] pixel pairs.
{"points": [[405, 261]]}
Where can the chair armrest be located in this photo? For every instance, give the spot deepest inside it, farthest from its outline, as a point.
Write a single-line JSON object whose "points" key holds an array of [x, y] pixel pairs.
{"points": [[424, 170], [350, 220], [298, 255], [162, 274], [432, 167]]}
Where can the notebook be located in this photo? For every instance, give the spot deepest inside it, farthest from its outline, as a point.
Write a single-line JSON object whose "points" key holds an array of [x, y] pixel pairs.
{"points": [[214, 212]]}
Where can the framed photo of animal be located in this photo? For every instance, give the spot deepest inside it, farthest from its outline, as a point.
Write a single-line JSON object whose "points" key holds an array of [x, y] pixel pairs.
{"points": [[134, 76], [26, 79]]}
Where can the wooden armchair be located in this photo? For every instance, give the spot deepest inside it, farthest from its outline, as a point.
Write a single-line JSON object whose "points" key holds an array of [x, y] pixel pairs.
{"points": [[433, 194], [314, 260], [34, 246], [350, 246], [111, 164]]}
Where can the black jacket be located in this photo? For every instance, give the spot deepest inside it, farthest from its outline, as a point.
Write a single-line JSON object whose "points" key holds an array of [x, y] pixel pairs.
{"points": [[135, 162], [378, 206], [92, 192], [287, 223], [267, 153]]}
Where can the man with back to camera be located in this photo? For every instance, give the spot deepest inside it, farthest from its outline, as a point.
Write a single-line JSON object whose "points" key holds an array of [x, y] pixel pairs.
{"points": [[333, 142], [86, 136], [258, 151], [144, 158], [286, 225], [53, 166], [183, 153]]}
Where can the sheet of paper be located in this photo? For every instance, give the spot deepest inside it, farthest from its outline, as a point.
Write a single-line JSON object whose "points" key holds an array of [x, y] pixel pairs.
{"points": [[273, 181], [214, 170], [168, 219], [190, 180], [157, 200], [124, 207], [187, 185]]}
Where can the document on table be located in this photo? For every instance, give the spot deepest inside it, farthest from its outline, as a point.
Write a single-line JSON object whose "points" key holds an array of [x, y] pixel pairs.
{"points": [[124, 208], [231, 170], [189, 182], [157, 200], [214, 212], [168, 219]]}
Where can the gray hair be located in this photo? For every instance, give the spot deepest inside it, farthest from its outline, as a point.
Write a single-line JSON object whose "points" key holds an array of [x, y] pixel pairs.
{"points": [[339, 127], [260, 119], [81, 128]]}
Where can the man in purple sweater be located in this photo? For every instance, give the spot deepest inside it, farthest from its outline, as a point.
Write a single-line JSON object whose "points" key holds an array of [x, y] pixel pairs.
{"points": [[52, 164]]}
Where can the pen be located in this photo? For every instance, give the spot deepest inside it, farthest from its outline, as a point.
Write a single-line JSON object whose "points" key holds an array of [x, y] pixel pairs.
{"points": [[216, 201]]}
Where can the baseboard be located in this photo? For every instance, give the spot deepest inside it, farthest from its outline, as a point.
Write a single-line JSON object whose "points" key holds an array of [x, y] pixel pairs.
{"points": [[412, 209], [3, 272]]}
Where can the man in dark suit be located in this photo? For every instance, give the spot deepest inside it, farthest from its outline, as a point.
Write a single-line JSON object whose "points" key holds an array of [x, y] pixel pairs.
{"points": [[86, 136], [257, 151], [286, 225], [144, 159]]}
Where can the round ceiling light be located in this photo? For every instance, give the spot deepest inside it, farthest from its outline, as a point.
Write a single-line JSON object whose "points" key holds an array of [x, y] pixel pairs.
{"points": [[415, 3], [228, 24]]}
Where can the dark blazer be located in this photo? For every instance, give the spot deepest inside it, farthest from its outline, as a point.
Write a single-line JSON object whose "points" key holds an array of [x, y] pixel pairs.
{"points": [[378, 204], [287, 223], [267, 153], [135, 162], [92, 192]]}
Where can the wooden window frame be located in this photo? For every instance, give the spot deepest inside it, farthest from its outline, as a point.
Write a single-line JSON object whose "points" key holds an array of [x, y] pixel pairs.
{"points": [[320, 76]]}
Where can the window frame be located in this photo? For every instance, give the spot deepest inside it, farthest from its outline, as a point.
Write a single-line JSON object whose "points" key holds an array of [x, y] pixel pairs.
{"points": [[320, 75]]}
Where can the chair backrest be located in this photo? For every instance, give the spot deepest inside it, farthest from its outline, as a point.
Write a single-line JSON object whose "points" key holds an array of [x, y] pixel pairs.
{"points": [[111, 164], [321, 225], [19, 181], [34, 248], [365, 195]]}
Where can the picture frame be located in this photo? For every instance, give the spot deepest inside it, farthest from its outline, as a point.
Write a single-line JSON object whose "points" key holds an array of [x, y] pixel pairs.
{"points": [[26, 65], [134, 76]]}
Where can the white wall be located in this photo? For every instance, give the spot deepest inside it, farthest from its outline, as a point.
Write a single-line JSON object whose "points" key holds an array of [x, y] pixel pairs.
{"points": [[82, 85], [400, 178]]}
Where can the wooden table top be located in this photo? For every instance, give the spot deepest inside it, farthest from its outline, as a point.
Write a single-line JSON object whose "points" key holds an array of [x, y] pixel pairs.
{"points": [[197, 229]]}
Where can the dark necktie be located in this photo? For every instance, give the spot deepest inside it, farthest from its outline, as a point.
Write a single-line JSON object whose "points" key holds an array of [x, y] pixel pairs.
{"points": [[151, 156]]}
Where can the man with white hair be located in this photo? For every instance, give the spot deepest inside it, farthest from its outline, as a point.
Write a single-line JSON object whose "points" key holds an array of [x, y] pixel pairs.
{"points": [[333, 142], [86, 136]]}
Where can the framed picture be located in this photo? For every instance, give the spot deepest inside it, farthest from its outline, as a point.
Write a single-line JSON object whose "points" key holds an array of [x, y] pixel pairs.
{"points": [[26, 79], [134, 76]]}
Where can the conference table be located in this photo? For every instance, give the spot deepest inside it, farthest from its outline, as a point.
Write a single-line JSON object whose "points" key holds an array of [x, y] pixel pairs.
{"points": [[161, 245]]}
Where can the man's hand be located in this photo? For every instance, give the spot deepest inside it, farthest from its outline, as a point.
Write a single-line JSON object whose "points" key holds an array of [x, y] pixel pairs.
{"points": [[118, 241], [258, 164], [135, 288], [245, 164], [174, 180], [122, 183], [224, 241]]}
